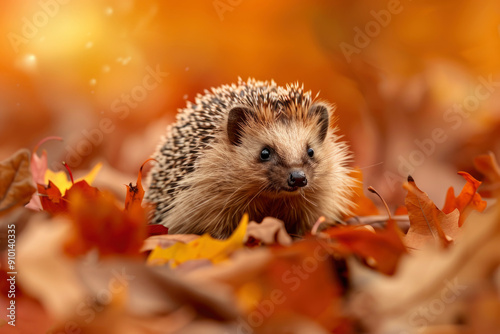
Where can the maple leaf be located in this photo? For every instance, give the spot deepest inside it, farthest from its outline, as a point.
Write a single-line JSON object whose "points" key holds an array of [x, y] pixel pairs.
{"points": [[427, 222], [467, 201], [487, 165], [51, 198], [53, 202], [380, 250], [60, 179], [204, 247], [362, 205], [16, 185]]}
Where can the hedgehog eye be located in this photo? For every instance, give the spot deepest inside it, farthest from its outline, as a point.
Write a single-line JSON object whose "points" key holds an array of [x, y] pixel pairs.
{"points": [[310, 152], [265, 154]]}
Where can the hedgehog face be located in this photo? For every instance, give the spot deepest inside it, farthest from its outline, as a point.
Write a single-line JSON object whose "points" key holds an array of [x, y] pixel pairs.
{"points": [[283, 156]]}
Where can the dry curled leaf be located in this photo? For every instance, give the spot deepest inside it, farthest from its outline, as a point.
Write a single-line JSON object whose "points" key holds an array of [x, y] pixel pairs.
{"points": [[16, 185], [428, 224], [269, 231]]}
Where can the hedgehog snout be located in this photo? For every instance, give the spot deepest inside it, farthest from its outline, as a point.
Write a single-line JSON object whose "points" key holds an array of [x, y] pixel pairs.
{"points": [[297, 178]]}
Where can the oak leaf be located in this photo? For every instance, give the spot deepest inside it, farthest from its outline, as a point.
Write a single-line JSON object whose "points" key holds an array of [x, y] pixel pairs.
{"points": [[427, 222], [468, 199]]}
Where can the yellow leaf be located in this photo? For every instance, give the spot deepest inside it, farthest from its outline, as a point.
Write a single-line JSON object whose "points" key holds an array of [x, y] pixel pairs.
{"points": [[205, 247], [63, 183]]}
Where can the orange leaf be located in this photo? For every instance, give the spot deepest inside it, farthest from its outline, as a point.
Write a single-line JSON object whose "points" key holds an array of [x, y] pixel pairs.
{"points": [[363, 205], [380, 250], [487, 165], [427, 222], [135, 194], [468, 199], [98, 223]]}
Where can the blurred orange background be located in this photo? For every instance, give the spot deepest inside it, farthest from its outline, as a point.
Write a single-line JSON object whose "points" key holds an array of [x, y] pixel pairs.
{"points": [[416, 83]]}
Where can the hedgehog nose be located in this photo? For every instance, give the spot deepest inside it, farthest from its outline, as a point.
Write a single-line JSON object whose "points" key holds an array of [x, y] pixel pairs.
{"points": [[297, 178]]}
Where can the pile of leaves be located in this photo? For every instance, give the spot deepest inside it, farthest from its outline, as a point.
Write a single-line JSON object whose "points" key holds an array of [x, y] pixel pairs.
{"points": [[87, 263]]}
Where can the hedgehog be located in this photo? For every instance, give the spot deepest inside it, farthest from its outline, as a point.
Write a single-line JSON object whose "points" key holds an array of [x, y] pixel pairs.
{"points": [[253, 147]]}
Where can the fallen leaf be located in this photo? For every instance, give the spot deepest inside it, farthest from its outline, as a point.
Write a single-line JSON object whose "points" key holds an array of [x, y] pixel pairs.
{"points": [[487, 165], [428, 224], [166, 240], [60, 179], [451, 278], [54, 203], [51, 199], [135, 194], [16, 185], [380, 250], [270, 231], [38, 167], [43, 267], [98, 223], [468, 199], [205, 247], [299, 281], [157, 229]]}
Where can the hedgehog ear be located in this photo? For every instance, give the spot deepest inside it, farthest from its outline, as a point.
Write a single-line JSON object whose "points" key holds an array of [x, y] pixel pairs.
{"points": [[237, 118], [321, 112]]}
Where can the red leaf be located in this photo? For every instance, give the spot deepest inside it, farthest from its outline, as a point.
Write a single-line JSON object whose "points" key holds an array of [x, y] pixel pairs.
{"points": [[54, 203], [51, 199], [157, 229]]}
